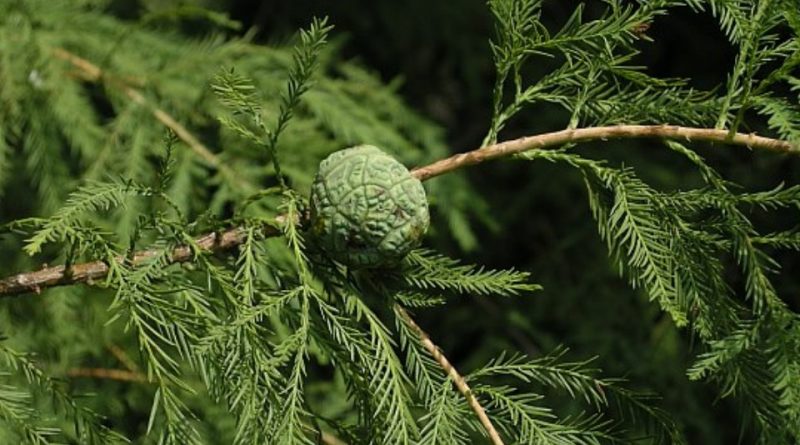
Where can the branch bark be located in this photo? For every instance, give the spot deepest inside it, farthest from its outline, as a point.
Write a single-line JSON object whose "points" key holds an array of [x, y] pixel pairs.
{"points": [[452, 372], [122, 375], [578, 135], [87, 272], [35, 282]]}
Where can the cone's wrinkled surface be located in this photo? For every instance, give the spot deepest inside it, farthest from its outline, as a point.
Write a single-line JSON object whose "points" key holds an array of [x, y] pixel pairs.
{"points": [[367, 210]]}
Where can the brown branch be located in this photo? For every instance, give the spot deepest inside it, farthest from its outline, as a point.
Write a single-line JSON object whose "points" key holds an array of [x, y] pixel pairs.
{"points": [[97, 270], [122, 375], [577, 135], [88, 272], [452, 372], [94, 73], [330, 439], [123, 357]]}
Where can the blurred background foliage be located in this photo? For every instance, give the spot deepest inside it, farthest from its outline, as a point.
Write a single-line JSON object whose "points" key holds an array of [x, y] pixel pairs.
{"points": [[435, 56]]}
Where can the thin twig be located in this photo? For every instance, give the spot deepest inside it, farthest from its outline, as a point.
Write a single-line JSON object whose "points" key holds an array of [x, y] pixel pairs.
{"points": [[94, 73], [96, 270], [577, 135], [86, 272], [122, 375], [452, 372], [330, 439], [123, 357]]}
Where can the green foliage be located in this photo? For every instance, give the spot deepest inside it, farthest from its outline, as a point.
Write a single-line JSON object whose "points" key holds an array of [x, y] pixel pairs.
{"points": [[677, 246], [64, 123], [428, 271], [676, 251], [18, 411], [578, 381], [268, 339]]}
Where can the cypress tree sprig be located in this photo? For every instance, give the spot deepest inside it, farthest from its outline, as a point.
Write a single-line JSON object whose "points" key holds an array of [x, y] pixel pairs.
{"points": [[237, 92], [161, 327], [427, 270], [250, 330], [93, 73], [531, 423], [443, 424], [15, 409], [389, 381], [454, 375], [579, 380], [89, 427], [304, 65], [690, 271]]}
